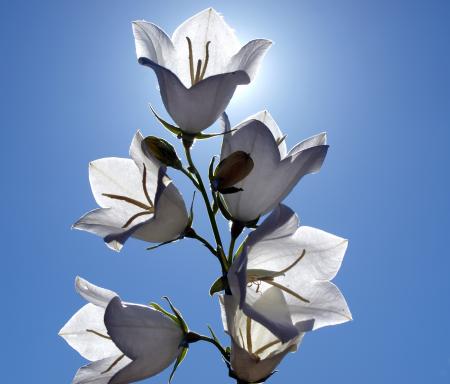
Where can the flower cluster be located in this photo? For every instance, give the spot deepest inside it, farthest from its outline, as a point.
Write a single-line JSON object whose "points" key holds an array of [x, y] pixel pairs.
{"points": [[275, 286]]}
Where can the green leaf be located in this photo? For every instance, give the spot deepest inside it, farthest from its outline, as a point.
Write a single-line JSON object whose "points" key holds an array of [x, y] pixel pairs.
{"points": [[179, 360], [178, 315], [217, 286], [172, 128]]}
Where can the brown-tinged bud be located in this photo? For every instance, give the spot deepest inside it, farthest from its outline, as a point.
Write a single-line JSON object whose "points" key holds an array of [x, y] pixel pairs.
{"points": [[162, 150], [231, 171]]}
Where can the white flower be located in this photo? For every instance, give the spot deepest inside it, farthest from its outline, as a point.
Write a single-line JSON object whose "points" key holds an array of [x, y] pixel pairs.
{"points": [[275, 170], [255, 351], [125, 342], [199, 69], [292, 266], [137, 200]]}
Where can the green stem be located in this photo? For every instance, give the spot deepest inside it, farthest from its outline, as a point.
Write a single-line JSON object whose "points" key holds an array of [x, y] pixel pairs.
{"points": [[216, 344], [201, 187], [191, 178], [194, 235]]}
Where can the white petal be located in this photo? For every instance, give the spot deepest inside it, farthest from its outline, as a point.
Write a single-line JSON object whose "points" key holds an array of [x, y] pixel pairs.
{"points": [[270, 309], [152, 165], [153, 43], [198, 107], [327, 305], [116, 176], [320, 139], [290, 172], [108, 223], [142, 332], [249, 57], [170, 218], [205, 26], [99, 372], [78, 334], [92, 293], [255, 138], [281, 224], [249, 368], [259, 196], [324, 253], [266, 118], [138, 369]]}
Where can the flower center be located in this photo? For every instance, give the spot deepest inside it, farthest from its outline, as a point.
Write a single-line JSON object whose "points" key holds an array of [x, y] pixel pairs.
{"points": [[148, 207], [249, 345], [199, 73], [257, 277]]}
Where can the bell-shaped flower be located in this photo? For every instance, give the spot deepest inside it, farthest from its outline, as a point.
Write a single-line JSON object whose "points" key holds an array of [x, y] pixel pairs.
{"points": [[255, 351], [125, 342], [276, 171], [199, 68], [292, 266], [137, 199]]}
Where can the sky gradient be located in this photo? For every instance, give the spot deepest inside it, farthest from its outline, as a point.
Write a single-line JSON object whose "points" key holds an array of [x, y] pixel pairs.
{"points": [[375, 75]]}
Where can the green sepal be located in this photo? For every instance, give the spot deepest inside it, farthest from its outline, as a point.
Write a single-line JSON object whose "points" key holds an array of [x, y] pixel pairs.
{"points": [[171, 128], [177, 313], [191, 212], [157, 307], [217, 286], [202, 136], [211, 169], [179, 360], [230, 190], [223, 209]]}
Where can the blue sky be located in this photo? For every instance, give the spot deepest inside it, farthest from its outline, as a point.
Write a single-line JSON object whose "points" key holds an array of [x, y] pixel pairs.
{"points": [[375, 75]]}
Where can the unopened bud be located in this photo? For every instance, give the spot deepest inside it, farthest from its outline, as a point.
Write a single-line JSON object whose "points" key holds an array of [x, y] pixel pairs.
{"points": [[162, 151], [231, 171]]}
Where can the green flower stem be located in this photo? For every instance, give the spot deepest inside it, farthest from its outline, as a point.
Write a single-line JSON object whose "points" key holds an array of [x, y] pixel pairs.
{"points": [[194, 235], [201, 187], [197, 337], [192, 178], [231, 249]]}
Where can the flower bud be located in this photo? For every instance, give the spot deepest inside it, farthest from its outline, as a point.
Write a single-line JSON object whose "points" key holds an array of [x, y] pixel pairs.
{"points": [[231, 171], [161, 150]]}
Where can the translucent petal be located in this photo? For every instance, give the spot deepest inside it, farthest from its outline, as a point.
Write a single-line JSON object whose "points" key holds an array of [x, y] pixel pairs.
{"points": [[92, 293], [99, 372], [82, 332]]}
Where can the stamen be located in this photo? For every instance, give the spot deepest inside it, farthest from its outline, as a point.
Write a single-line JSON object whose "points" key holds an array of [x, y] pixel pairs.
{"points": [[191, 60], [242, 338], [98, 334], [202, 75], [113, 364], [197, 73], [144, 186], [287, 290], [128, 200], [134, 217], [283, 271], [264, 347], [249, 335]]}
